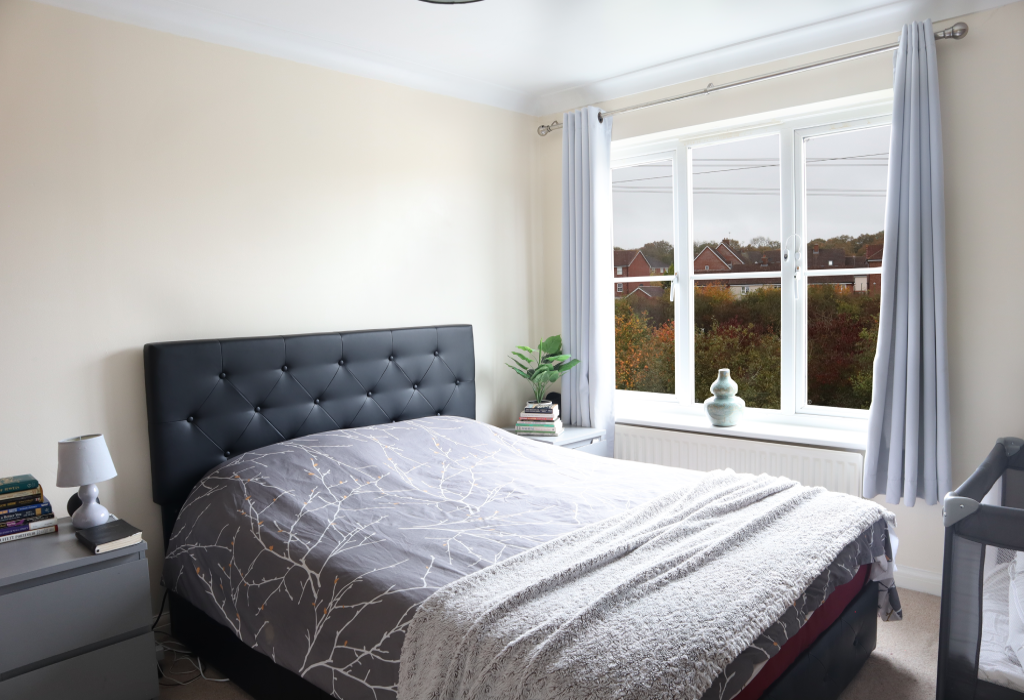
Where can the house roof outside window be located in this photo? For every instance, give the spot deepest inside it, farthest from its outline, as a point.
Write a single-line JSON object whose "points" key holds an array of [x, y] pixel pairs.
{"points": [[649, 291]]}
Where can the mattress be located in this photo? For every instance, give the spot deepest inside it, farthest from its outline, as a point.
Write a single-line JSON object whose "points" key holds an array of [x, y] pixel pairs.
{"points": [[317, 551], [996, 663]]}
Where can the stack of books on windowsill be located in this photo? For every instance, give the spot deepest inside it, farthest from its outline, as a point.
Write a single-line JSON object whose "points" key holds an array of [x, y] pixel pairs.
{"points": [[24, 512], [539, 418]]}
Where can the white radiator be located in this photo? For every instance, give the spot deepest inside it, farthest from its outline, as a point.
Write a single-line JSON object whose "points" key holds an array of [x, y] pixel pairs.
{"points": [[836, 470]]}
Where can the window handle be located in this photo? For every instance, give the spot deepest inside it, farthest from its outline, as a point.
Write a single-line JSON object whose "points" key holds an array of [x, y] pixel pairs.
{"points": [[672, 288], [794, 251]]}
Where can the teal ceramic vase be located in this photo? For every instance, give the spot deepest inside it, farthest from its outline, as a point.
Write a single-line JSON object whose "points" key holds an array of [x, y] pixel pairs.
{"points": [[725, 408]]}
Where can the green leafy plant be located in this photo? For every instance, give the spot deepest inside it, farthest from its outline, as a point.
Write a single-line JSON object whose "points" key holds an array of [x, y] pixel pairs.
{"points": [[542, 366]]}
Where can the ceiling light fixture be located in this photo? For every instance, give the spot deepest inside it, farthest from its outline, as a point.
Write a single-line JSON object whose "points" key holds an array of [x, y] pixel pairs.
{"points": [[449, 2]]}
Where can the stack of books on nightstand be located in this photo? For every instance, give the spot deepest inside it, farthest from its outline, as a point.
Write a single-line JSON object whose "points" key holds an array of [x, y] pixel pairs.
{"points": [[23, 510], [539, 418]]}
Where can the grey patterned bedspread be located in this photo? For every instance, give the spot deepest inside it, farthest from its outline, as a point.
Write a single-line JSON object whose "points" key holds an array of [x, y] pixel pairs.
{"points": [[317, 551]]}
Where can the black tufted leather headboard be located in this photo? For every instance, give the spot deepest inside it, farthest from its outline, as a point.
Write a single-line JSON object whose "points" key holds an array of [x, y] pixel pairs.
{"points": [[210, 399]]}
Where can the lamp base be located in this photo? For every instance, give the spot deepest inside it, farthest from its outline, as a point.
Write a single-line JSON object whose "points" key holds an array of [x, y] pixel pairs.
{"points": [[90, 513], [74, 503]]}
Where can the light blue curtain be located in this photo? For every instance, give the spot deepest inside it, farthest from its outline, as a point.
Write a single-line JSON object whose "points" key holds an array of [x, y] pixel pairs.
{"points": [[908, 428], [588, 312]]}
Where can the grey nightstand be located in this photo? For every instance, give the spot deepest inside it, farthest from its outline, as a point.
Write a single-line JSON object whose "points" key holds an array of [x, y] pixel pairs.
{"points": [[73, 623], [585, 439]]}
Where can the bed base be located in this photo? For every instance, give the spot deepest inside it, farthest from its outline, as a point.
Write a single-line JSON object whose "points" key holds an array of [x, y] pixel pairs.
{"points": [[821, 672], [827, 667], [250, 670]]}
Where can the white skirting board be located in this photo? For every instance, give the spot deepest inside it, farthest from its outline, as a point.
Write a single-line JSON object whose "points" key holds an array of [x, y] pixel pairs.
{"points": [[836, 470], [918, 579]]}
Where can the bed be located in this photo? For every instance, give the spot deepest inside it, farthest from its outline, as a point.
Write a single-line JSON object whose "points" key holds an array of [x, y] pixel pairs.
{"points": [[249, 436]]}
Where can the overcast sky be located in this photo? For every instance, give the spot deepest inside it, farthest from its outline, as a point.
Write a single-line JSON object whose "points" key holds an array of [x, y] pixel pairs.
{"points": [[736, 190]]}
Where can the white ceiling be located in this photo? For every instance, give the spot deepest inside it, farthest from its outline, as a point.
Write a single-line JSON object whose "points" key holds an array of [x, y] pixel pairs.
{"points": [[531, 56]]}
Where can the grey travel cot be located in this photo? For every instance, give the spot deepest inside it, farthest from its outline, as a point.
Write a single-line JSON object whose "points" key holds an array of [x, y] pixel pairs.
{"points": [[982, 542]]}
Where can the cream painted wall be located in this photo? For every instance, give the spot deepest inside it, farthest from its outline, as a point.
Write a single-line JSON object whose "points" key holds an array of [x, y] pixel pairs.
{"points": [[159, 188], [982, 98]]}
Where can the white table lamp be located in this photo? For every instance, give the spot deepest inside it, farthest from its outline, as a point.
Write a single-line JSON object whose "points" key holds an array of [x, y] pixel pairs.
{"points": [[85, 461]]}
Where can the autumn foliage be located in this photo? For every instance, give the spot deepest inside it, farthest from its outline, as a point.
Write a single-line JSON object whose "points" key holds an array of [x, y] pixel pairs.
{"points": [[743, 333], [842, 332], [644, 352]]}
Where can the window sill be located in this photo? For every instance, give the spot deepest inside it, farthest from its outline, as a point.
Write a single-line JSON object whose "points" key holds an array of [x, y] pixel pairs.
{"points": [[812, 431]]}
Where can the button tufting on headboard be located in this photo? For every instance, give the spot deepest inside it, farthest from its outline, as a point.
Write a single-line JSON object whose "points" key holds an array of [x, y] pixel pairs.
{"points": [[209, 399]]}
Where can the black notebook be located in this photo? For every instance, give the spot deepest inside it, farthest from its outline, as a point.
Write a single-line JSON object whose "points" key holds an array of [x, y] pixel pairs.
{"points": [[109, 536]]}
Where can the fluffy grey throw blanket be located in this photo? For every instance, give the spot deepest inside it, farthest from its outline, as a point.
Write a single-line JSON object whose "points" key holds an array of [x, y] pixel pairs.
{"points": [[650, 604]]}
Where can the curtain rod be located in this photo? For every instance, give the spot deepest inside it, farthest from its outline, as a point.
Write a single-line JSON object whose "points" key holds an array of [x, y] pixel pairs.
{"points": [[957, 31]]}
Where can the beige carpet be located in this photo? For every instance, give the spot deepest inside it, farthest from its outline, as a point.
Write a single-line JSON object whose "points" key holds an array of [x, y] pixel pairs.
{"points": [[902, 666]]}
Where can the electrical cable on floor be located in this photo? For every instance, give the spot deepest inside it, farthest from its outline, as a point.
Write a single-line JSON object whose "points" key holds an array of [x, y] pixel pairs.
{"points": [[197, 668], [198, 663], [181, 653], [166, 674]]}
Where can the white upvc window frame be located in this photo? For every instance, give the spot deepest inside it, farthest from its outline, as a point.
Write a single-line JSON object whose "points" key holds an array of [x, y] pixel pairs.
{"points": [[792, 126]]}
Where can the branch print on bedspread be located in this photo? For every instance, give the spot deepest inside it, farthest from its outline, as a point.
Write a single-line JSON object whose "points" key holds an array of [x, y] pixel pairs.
{"points": [[317, 551]]}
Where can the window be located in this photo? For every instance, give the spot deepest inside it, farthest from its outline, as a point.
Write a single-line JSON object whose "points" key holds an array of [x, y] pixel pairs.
{"points": [[618, 271], [775, 231], [643, 226], [618, 287], [844, 179]]}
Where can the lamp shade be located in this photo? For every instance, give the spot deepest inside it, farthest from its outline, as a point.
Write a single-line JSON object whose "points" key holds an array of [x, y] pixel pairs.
{"points": [[84, 460]]}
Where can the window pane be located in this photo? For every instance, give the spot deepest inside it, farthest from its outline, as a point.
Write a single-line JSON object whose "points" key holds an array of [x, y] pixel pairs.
{"points": [[645, 339], [842, 330], [737, 228], [846, 180], [740, 330], [642, 223], [736, 207]]}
